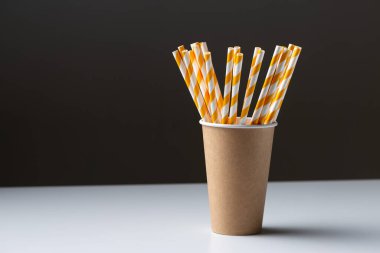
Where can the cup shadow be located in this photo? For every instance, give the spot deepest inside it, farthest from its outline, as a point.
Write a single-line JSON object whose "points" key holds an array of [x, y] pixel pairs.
{"points": [[278, 235], [328, 233]]}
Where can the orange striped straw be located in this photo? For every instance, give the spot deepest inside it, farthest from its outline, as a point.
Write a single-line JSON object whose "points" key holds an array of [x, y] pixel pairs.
{"points": [[273, 85], [196, 47], [186, 77], [204, 46], [211, 87], [283, 87], [181, 48], [236, 74], [290, 48], [202, 66], [194, 85], [264, 89], [236, 51], [257, 60], [218, 93], [200, 79], [227, 85]]}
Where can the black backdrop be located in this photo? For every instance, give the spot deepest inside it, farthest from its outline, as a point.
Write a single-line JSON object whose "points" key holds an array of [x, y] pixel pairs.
{"points": [[90, 93]]}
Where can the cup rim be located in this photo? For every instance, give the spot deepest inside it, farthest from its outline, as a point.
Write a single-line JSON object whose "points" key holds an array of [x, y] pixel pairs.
{"points": [[218, 125]]}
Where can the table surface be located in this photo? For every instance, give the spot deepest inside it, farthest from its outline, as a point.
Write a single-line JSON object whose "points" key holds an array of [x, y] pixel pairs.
{"points": [[320, 216]]}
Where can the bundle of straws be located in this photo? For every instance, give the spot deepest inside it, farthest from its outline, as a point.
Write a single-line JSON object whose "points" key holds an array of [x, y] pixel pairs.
{"points": [[198, 72]]}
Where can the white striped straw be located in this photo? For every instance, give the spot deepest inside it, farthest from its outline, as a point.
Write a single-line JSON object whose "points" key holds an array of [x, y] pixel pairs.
{"points": [[204, 47], [227, 85], [218, 93], [291, 48], [235, 52], [200, 79], [202, 65], [186, 77], [236, 74], [200, 59], [257, 59], [283, 87], [264, 89], [274, 84], [211, 87], [194, 84]]}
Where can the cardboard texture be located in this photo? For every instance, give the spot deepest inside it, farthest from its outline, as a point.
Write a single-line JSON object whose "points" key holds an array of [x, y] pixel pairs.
{"points": [[237, 166]]}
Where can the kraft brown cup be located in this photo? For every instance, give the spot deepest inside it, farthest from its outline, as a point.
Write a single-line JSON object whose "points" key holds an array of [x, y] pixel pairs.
{"points": [[237, 166]]}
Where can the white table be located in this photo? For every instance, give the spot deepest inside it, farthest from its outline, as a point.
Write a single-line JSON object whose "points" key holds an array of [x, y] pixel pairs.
{"points": [[336, 216]]}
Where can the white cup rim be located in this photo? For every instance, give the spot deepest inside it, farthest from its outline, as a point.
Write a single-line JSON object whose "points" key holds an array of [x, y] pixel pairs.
{"points": [[204, 123]]}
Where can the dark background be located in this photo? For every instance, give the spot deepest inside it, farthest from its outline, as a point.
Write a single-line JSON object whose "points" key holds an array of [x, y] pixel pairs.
{"points": [[90, 93]]}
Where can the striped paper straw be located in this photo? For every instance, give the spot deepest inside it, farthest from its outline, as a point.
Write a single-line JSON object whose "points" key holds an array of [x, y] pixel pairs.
{"points": [[194, 85], [204, 47], [202, 65], [290, 48], [227, 85], [181, 48], [236, 74], [200, 80], [211, 87], [264, 89], [236, 49], [186, 77], [218, 93], [273, 85], [283, 87], [196, 47], [257, 59]]}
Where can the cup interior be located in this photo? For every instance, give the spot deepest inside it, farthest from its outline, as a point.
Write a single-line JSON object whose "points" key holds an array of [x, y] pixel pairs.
{"points": [[204, 123]]}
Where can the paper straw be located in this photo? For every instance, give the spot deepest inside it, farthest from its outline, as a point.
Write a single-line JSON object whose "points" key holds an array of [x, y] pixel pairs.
{"points": [[181, 48], [204, 47], [291, 48], [200, 79], [273, 85], [257, 59], [194, 85], [264, 89], [227, 85], [236, 74], [218, 93], [196, 47], [211, 87], [283, 87], [236, 49], [202, 65], [186, 77]]}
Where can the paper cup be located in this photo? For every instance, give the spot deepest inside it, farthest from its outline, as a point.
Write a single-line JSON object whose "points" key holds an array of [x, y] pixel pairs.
{"points": [[237, 166]]}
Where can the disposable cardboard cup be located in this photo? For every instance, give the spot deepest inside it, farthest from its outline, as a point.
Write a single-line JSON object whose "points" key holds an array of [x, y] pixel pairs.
{"points": [[237, 166]]}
